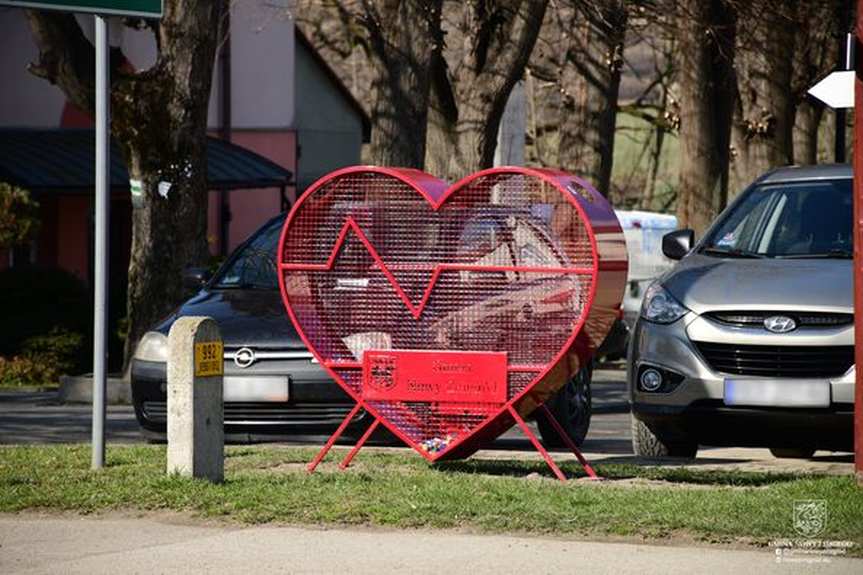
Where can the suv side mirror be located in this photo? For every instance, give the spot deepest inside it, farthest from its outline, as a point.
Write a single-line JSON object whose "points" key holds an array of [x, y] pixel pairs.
{"points": [[195, 278], [677, 244]]}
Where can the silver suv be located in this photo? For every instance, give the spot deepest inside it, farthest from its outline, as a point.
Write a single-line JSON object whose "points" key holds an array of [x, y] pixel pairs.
{"points": [[749, 339]]}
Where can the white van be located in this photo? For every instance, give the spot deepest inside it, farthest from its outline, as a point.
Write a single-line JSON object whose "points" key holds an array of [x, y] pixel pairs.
{"points": [[643, 232]]}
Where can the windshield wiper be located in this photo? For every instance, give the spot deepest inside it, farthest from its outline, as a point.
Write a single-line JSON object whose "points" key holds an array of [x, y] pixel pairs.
{"points": [[836, 254], [731, 253]]}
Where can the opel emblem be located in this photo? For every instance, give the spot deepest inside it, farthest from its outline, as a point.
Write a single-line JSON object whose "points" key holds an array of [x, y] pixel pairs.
{"points": [[780, 324], [244, 357]]}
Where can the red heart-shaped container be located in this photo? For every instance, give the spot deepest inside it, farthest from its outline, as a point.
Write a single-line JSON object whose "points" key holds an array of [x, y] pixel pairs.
{"points": [[440, 307]]}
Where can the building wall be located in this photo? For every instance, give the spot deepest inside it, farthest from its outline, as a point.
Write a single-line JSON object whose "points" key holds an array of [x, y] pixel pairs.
{"points": [[262, 97], [329, 129], [73, 235], [251, 208], [262, 67]]}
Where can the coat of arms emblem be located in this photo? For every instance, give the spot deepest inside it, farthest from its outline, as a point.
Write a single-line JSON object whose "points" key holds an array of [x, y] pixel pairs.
{"points": [[810, 516]]}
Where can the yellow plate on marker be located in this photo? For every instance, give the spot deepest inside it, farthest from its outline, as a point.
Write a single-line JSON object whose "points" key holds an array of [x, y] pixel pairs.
{"points": [[208, 358]]}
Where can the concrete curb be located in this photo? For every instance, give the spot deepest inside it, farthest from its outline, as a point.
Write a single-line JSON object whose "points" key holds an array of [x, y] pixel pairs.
{"points": [[79, 389]]}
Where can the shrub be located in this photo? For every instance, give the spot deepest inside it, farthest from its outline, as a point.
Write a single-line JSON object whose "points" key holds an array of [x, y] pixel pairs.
{"points": [[60, 348], [43, 360], [37, 300], [19, 216], [25, 371]]}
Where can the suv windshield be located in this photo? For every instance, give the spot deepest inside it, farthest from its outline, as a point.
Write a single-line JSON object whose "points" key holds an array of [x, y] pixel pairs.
{"points": [[788, 220], [254, 265]]}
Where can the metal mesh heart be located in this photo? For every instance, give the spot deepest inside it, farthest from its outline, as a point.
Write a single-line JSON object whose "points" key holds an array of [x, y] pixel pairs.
{"points": [[507, 261]]}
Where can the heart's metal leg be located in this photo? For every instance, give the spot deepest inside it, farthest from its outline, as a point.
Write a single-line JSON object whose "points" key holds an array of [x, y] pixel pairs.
{"points": [[569, 443], [333, 438], [554, 468], [352, 453]]}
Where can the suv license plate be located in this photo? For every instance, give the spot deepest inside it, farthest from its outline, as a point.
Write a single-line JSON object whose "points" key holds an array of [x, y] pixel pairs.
{"points": [[777, 393]]}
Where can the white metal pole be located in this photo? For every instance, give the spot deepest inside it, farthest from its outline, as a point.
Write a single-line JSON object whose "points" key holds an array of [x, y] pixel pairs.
{"points": [[100, 278]]}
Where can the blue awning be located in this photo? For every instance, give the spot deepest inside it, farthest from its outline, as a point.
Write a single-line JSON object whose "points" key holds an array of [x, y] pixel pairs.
{"points": [[63, 160]]}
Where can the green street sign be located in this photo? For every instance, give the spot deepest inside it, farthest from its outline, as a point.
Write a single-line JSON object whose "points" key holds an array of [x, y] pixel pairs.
{"points": [[143, 8]]}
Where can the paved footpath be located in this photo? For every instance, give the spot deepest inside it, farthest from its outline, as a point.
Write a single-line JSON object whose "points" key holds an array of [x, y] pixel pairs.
{"points": [[49, 544]]}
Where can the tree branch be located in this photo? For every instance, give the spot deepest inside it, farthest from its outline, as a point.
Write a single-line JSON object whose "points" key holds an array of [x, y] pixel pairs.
{"points": [[66, 57], [506, 36]]}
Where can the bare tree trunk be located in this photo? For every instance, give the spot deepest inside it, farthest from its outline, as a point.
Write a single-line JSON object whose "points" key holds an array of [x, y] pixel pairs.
{"points": [[819, 37], [488, 45], [655, 159], [159, 118], [403, 39], [806, 124], [706, 31], [590, 78], [764, 114]]}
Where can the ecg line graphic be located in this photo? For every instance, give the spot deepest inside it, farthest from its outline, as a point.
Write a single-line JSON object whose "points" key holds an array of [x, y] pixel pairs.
{"points": [[416, 310]]}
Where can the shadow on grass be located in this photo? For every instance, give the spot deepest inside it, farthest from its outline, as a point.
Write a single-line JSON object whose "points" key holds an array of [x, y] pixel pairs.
{"points": [[620, 471], [671, 462]]}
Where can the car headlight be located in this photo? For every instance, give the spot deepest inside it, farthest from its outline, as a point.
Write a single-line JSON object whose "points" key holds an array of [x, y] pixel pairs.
{"points": [[660, 307], [153, 347]]}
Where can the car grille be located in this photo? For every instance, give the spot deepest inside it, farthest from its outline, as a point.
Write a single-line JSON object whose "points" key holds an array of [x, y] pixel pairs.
{"points": [[803, 319], [778, 360], [267, 413]]}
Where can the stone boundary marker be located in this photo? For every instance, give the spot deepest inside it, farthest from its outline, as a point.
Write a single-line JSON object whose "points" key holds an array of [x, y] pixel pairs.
{"points": [[196, 434]]}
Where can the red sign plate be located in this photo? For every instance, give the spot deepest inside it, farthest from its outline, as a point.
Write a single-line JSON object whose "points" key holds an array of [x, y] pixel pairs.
{"points": [[434, 376]]}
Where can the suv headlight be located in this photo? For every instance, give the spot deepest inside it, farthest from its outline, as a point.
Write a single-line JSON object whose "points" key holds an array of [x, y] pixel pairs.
{"points": [[153, 347], [660, 307]]}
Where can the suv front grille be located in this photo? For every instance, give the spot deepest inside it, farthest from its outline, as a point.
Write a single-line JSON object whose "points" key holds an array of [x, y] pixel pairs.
{"points": [[778, 360], [803, 319]]}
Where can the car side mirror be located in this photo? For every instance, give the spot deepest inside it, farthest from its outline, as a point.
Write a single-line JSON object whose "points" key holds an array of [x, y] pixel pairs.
{"points": [[195, 278], [677, 244]]}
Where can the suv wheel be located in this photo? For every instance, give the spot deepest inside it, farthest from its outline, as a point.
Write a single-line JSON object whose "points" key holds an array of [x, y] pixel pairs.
{"points": [[571, 407], [645, 443], [792, 452]]}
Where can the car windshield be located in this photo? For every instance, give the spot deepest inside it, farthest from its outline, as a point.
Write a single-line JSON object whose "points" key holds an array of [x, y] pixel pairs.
{"points": [[254, 266], [787, 220]]}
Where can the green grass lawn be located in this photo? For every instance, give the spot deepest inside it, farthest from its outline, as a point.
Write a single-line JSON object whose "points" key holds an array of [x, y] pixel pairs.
{"points": [[269, 484]]}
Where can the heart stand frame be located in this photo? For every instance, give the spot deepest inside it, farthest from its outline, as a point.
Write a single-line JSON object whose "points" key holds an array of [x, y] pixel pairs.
{"points": [[345, 463]]}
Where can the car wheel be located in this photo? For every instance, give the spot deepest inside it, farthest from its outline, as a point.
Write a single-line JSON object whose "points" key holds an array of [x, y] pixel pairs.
{"points": [[792, 452], [571, 407], [645, 443]]}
